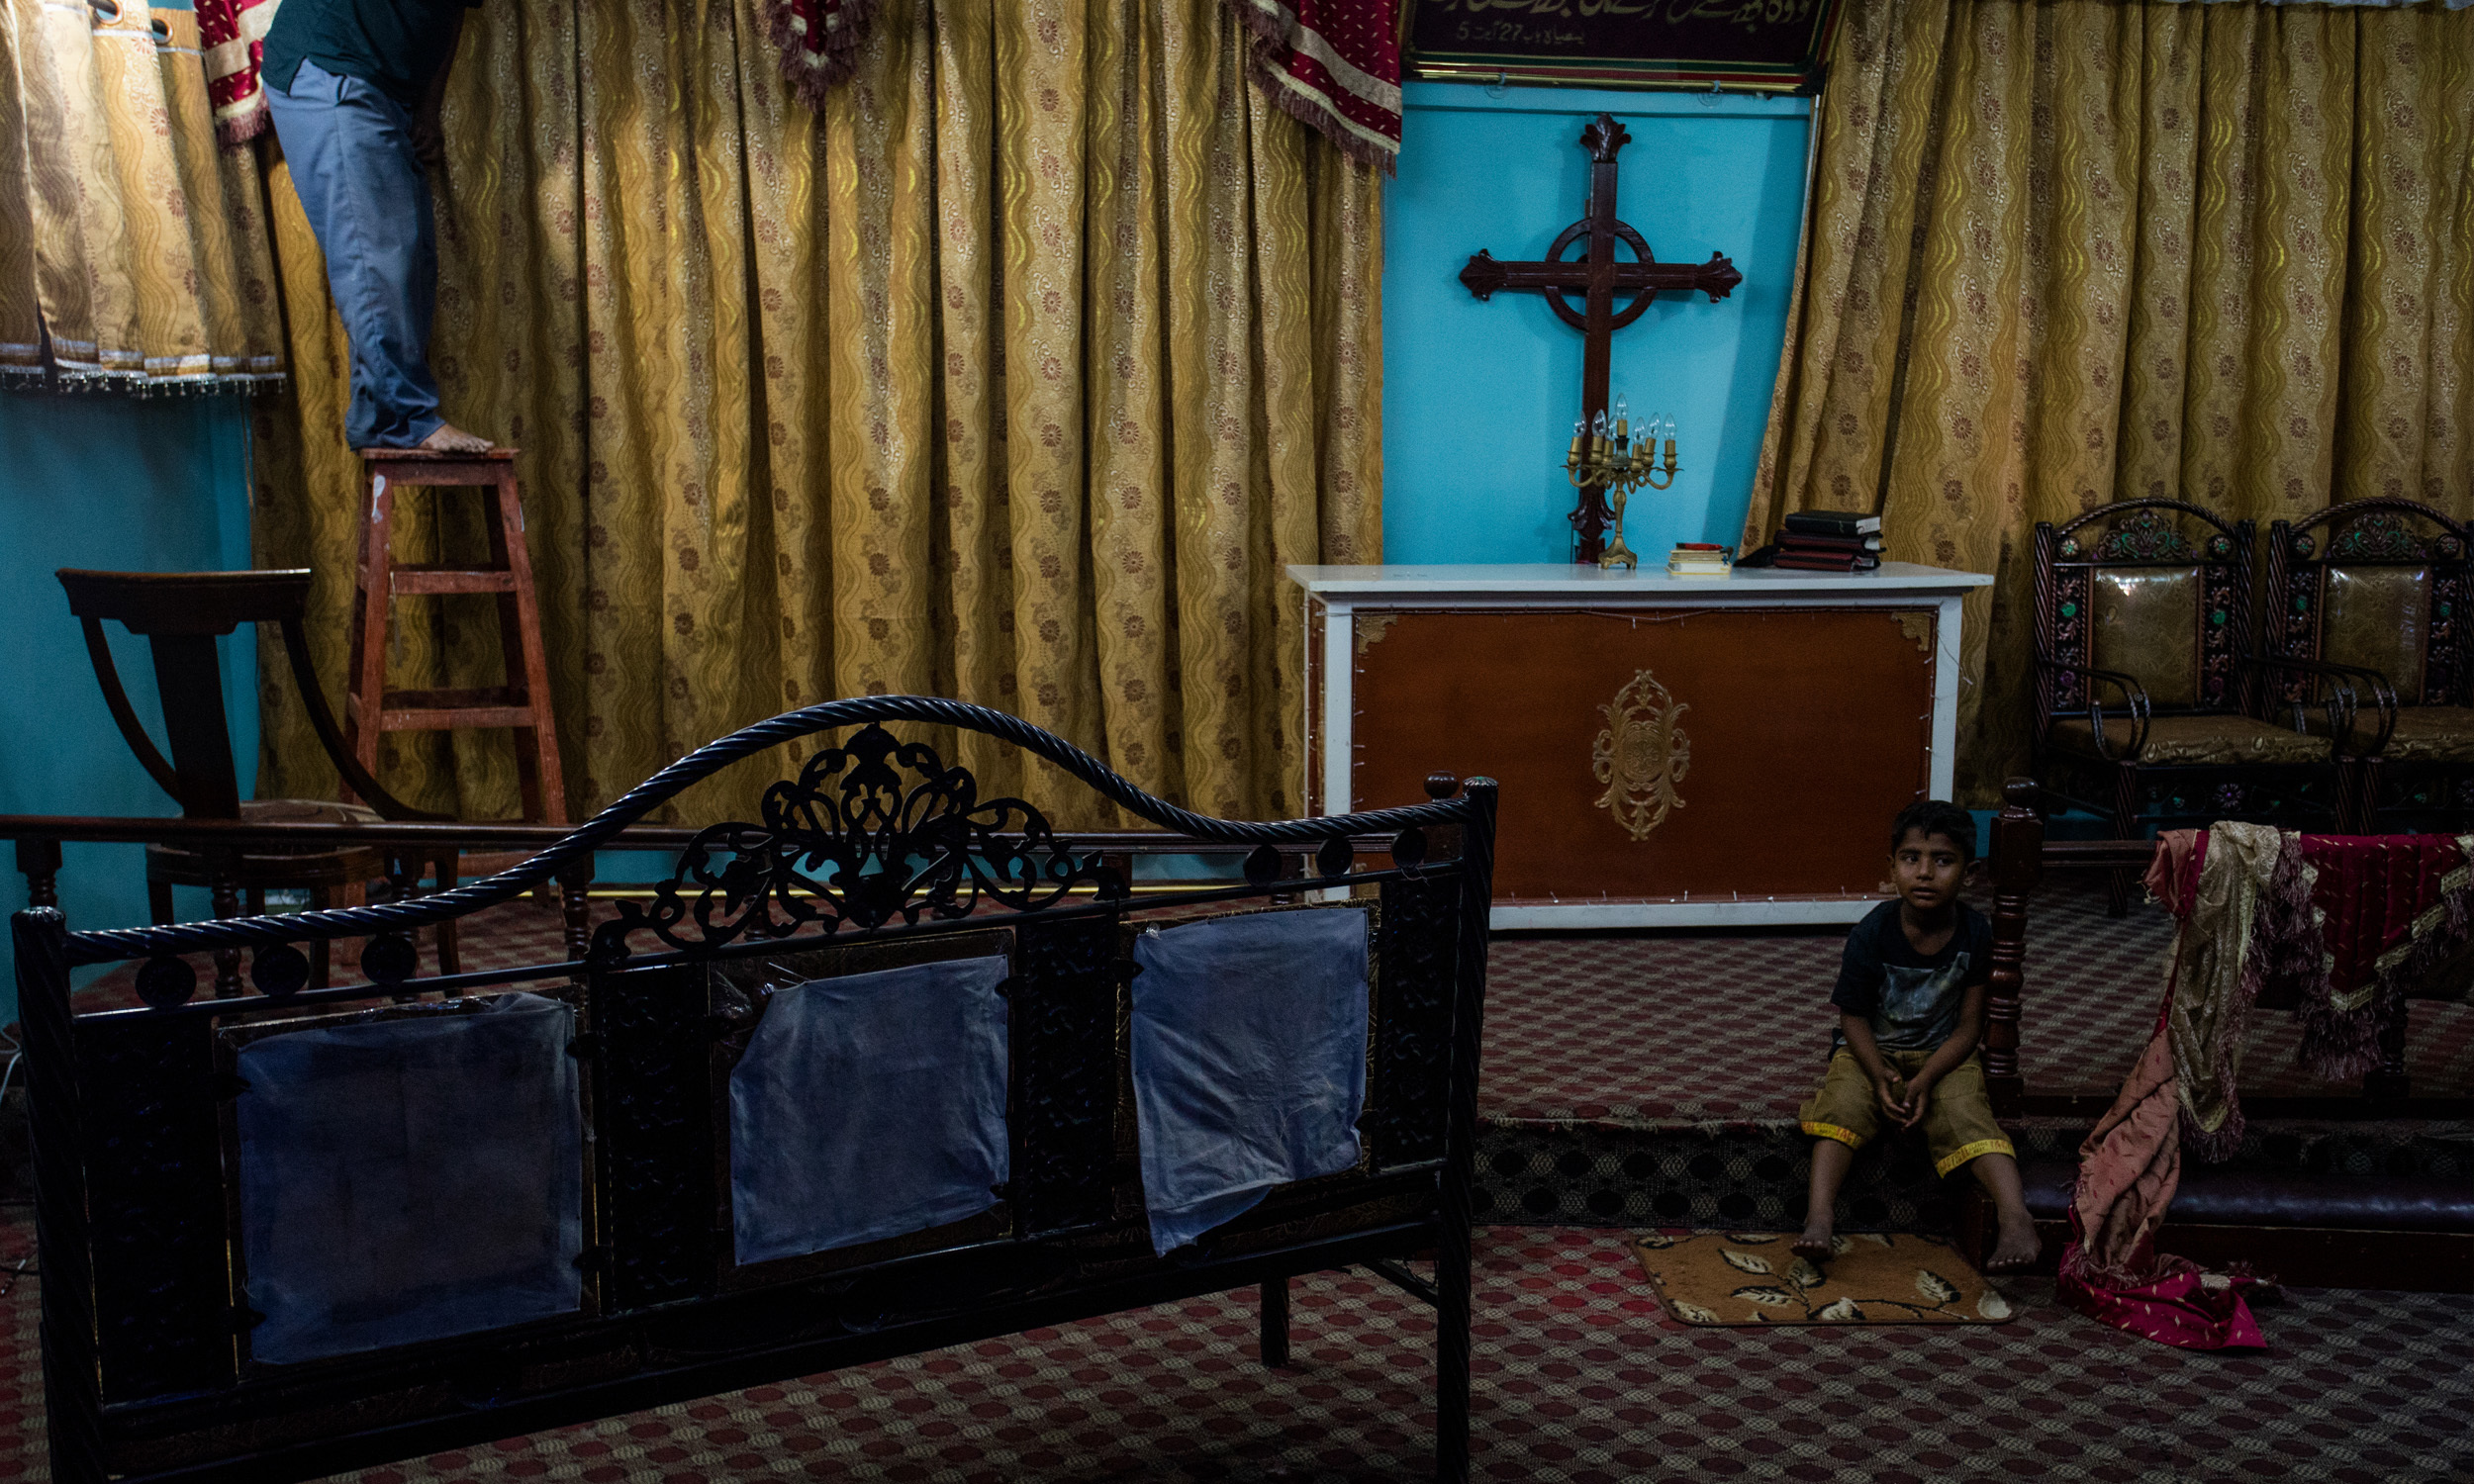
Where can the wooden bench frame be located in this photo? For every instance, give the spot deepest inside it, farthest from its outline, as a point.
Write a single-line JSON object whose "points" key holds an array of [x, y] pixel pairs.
{"points": [[146, 1375]]}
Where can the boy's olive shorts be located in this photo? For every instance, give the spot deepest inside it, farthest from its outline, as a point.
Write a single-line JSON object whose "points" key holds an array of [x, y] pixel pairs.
{"points": [[1957, 1119]]}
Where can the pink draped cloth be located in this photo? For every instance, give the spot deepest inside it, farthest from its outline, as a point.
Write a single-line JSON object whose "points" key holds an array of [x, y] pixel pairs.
{"points": [[2345, 925], [2128, 1170], [2131, 1165]]}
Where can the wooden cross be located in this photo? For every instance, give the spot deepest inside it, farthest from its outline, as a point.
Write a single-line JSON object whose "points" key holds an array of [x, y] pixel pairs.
{"points": [[1598, 278]]}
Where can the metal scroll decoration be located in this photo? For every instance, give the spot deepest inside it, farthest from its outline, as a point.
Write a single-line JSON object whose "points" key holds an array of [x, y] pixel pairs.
{"points": [[871, 830], [1642, 755]]}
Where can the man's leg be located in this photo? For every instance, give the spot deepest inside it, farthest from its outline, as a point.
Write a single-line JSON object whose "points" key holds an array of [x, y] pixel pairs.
{"points": [[361, 186]]}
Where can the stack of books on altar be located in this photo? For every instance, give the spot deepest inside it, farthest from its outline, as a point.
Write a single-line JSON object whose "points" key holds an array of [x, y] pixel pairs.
{"points": [[1699, 559], [1830, 542]]}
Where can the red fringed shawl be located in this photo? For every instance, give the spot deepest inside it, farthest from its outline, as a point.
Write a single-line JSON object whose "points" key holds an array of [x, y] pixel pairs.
{"points": [[819, 41], [1336, 65], [233, 35]]}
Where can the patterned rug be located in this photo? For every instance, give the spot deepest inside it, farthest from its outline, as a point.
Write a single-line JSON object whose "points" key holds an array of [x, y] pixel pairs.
{"points": [[1580, 1379], [1737, 1279]]}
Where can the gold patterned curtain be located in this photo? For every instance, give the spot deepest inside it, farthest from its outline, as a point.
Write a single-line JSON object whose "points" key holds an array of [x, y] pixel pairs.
{"points": [[2062, 252], [1016, 373], [133, 251]]}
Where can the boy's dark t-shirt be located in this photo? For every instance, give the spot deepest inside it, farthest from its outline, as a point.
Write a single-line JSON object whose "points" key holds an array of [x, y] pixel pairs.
{"points": [[1912, 1000], [394, 46]]}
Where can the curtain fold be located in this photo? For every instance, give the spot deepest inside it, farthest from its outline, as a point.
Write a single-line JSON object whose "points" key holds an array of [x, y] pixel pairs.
{"points": [[134, 254], [2062, 252], [1016, 372]]}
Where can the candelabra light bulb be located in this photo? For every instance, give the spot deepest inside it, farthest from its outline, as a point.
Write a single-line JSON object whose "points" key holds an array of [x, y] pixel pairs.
{"points": [[1597, 424], [1671, 428], [1623, 408], [1580, 425]]}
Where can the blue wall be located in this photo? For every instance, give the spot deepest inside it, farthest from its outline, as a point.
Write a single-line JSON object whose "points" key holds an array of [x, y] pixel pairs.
{"points": [[110, 482], [1479, 397]]}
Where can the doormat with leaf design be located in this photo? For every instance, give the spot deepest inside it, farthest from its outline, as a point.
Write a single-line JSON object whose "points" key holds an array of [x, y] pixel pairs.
{"points": [[1752, 1278]]}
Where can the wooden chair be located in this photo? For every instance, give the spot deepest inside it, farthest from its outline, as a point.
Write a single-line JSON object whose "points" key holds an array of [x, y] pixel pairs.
{"points": [[2378, 585], [181, 614], [2146, 687]]}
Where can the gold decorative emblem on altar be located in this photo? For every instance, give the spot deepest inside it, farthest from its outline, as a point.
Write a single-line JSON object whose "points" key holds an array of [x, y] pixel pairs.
{"points": [[1642, 755]]}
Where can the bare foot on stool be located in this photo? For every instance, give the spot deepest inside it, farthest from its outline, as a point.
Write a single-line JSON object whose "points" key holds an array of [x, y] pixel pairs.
{"points": [[448, 438]]}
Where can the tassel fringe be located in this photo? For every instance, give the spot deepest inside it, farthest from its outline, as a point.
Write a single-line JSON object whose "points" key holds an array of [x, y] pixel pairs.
{"points": [[812, 73]]}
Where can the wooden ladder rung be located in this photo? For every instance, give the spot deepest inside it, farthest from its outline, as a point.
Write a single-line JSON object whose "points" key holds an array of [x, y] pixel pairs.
{"points": [[410, 578], [439, 710]]}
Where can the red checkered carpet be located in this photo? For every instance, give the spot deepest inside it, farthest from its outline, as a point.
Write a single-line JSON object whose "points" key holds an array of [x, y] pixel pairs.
{"points": [[1578, 1380]]}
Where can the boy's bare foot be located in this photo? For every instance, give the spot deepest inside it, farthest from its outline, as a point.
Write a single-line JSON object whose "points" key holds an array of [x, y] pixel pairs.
{"points": [[448, 438], [2018, 1247], [1814, 1246]]}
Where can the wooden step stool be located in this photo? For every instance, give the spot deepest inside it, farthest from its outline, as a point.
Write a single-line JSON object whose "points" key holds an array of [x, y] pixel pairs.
{"points": [[523, 703]]}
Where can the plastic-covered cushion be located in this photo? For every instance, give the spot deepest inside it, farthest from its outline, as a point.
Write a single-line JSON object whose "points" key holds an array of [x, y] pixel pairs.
{"points": [[411, 1179], [1249, 1061], [2423, 734], [2196, 739], [2379, 619], [869, 1106], [2147, 625], [2212, 1196]]}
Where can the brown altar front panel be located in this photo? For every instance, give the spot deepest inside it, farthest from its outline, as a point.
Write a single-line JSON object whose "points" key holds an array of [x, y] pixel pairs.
{"points": [[1655, 753]]}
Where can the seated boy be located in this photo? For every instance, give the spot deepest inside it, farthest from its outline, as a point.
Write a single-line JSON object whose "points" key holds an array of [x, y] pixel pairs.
{"points": [[1911, 1007]]}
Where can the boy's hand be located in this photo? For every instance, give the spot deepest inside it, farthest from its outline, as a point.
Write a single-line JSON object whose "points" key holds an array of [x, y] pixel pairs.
{"points": [[1893, 1103], [1918, 1092]]}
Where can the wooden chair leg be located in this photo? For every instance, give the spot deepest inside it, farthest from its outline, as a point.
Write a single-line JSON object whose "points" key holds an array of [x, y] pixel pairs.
{"points": [[2357, 785], [159, 902], [225, 898], [1275, 1323], [1451, 1287], [451, 950], [574, 881], [321, 961], [2125, 827]]}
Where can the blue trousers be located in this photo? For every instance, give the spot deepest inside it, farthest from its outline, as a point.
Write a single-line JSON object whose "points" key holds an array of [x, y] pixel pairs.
{"points": [[350, 148]]}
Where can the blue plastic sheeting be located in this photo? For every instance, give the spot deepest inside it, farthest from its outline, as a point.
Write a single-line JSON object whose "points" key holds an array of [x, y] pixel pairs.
{"points": [[409, 1180], [869, 1107], [1249, 1047]]}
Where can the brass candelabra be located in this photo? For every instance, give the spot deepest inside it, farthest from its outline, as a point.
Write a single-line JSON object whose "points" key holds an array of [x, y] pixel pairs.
{"points": [[1614, 465]]}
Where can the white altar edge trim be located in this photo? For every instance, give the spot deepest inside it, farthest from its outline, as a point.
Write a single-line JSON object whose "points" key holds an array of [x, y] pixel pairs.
{"points": [[1700, 911]]}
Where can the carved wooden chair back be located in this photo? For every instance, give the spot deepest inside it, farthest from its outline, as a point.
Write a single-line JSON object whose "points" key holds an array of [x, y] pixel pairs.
{"points": [[181, 614], [2158, 590], [2377, 584]]}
